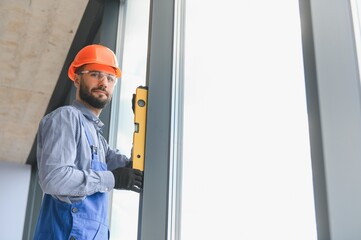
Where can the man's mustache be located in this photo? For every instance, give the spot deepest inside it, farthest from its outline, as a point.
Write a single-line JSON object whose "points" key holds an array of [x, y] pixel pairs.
{"points": [[101, 89]]}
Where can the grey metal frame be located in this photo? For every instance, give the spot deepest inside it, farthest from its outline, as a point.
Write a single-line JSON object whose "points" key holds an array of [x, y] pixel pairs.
{"points": [[153, 221], [176, 145], [333, 95]]}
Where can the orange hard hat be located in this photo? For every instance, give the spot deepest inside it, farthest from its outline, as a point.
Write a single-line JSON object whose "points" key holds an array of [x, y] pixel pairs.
{"points": [[94, 54]]}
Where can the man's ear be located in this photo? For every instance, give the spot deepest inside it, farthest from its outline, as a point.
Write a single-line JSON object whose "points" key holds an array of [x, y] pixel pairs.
{"points": [[76, 80]]}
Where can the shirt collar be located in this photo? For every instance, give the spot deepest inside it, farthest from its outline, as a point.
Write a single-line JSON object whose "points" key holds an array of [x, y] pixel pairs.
{"points": [[98, 124]]}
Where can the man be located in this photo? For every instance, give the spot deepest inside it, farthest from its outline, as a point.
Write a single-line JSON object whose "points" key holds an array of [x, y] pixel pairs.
{"points": [[77, 168]]}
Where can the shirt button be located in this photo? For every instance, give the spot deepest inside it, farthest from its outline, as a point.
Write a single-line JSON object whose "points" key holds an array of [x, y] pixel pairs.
{"points": [[72, 238], [74, 210]]}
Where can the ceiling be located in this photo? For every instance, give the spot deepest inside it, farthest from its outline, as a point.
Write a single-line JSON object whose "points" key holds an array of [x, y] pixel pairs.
{"points": [[35, 37]]}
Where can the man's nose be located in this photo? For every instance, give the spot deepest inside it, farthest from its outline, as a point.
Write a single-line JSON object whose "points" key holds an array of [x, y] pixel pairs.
{"points": [[103, 80]]}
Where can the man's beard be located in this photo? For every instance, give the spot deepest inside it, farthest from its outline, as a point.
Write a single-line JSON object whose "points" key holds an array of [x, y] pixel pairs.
{"points": [[86, 96]]}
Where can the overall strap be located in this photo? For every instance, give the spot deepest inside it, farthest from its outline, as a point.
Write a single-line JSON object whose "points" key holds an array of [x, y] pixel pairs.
{"points": [[93, 147]]}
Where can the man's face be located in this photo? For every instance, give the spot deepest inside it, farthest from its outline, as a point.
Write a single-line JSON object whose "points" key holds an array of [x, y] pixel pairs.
{"points": [[97, 93]]}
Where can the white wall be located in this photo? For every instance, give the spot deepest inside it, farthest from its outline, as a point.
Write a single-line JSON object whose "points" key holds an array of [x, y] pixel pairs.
{"points": [[14, 187]]}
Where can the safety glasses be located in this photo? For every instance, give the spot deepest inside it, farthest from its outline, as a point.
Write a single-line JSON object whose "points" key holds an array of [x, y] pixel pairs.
{"points": [[97, 75]]}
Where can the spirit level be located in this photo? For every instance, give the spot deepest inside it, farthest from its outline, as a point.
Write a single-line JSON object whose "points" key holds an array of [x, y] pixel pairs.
{"points": [[140, 119]]}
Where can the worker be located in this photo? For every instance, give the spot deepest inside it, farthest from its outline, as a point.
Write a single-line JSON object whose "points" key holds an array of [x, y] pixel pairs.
{"points": [[77, 168]]}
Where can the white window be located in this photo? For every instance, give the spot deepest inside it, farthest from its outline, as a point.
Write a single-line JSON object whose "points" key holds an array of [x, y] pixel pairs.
{"points": [[246, 152]]}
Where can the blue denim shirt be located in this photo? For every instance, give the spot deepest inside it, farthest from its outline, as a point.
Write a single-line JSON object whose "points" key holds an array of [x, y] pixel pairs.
{"points": [[64, 155]]}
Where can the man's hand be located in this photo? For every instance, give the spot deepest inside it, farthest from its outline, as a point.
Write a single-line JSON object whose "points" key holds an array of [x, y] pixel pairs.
{"points": [[128, 179]]}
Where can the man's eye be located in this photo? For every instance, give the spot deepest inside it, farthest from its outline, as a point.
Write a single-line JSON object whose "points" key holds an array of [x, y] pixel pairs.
{"points": [[94, 74], [110, 79]]}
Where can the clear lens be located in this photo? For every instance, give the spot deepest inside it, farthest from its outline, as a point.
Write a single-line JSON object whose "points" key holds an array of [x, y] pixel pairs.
{"points": [[100, 75]]}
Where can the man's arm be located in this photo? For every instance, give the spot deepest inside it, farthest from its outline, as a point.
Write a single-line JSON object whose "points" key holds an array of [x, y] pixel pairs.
{"points": [[114, 158], [58, 139]]}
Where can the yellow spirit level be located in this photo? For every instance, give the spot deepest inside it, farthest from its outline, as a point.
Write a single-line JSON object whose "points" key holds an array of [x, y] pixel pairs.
{"points": [[140, 120]]}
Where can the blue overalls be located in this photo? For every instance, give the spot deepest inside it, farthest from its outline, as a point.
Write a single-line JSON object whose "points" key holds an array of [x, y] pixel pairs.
{"points": [[86, 219]]}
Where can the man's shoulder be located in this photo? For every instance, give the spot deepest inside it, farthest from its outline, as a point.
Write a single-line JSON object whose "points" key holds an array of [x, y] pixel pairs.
{"points": [[64, 112], [63, 121]]}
